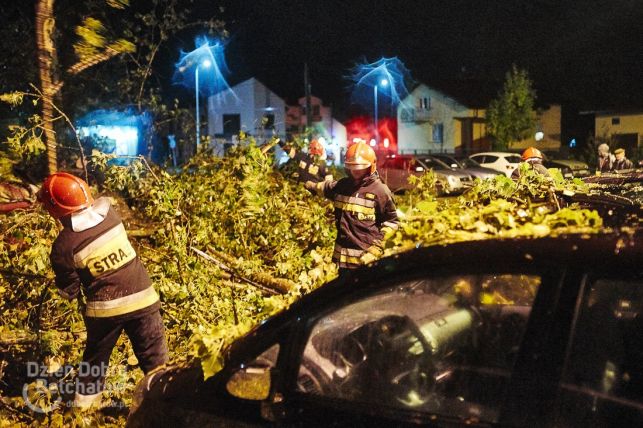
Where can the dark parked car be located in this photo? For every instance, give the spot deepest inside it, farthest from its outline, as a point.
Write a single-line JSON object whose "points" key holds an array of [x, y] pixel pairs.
{"points": [[395, 171], [468, 166], [569, 168], [527, 333]]}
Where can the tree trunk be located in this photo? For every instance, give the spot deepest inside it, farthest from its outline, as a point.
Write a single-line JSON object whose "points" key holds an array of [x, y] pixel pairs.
{"points": [[47, 60]]}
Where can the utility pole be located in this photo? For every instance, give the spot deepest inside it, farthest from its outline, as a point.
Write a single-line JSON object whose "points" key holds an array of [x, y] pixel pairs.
{"points": [[309, 112]]}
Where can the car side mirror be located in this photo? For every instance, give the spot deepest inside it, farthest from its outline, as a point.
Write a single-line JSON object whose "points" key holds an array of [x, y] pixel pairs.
{"points": [[250, 383]]}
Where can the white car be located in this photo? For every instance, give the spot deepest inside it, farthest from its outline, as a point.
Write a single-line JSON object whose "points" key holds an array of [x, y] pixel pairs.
{"points": [[504, 162]]}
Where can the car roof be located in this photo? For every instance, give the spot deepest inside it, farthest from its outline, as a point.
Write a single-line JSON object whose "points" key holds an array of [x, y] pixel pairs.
{"points": [[496, 154], [604, 251]]}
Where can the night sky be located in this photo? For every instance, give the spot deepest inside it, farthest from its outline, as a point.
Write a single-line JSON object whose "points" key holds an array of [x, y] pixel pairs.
{"points": [[584, 53]]}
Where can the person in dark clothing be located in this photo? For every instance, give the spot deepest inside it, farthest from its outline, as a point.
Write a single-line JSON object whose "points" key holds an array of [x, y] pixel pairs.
{"points": [[309, 166], [534, 159], [92, 256], [621, 162], [365, 213]]}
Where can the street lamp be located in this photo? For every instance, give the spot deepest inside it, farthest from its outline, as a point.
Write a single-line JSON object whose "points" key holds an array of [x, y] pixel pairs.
{"points": [[383, 83], [205, 64]]}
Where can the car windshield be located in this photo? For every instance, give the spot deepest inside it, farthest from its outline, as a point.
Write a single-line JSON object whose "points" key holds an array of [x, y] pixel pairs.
{"points": [[513, 159], [469, 163], [451, 161], [433, 163]]}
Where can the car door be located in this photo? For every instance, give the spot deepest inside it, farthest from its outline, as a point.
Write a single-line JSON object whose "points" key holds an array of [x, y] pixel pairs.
{"points": [[602, 380], [421, 349]]}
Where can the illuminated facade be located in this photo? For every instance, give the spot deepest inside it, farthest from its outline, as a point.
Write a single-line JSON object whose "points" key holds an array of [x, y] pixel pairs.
{"points": [[430, 121], [249, 107], [625, 128], [122, 133]]}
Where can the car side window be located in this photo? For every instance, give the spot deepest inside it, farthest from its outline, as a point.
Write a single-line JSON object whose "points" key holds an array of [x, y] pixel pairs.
{"points": [[490, 159], [444, 345], [252, 381], [479, 159], [603, 380]]}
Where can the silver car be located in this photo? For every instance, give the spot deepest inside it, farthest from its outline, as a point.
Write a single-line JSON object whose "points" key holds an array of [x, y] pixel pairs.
{"points": [[395, 171], [468, 166]]}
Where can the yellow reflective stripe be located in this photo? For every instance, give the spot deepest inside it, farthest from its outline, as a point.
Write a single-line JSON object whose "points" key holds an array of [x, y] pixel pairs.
{"points": [[122, 305], [107, 253], [350, 259], [354, 208], [375, 250], [348, 251], [355, 200]]}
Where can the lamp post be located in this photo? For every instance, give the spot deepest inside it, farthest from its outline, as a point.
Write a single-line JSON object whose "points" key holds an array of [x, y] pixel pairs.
{"points": [[205, 64], [383, 83]]}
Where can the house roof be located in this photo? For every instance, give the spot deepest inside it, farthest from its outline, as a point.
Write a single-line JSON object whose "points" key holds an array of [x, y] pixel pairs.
{"points": [[471, 92], [612, 112]]}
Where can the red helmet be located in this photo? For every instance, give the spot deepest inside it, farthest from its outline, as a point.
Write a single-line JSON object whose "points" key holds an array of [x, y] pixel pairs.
{"points": [[360, 156], [63, 194], [531, 152], [316, 148]]}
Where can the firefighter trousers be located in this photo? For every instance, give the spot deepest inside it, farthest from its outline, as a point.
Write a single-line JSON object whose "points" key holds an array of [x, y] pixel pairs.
{"points": [[145, 332]]}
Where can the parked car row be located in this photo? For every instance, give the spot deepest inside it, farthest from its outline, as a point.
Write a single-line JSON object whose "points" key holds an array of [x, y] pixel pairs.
{"points": [[455, 174], [395, 171]]}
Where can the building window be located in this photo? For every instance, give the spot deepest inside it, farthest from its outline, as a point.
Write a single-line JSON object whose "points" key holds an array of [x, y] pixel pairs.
{"points": [[424, 103], [438, 133], [268, 121], [616, 121]]}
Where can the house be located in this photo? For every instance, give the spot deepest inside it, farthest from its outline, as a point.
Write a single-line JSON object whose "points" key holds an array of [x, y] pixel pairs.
{"points": [[547, 135], [328, 130], [430, 121], [625, 128], [124, 133], [249, 107]]}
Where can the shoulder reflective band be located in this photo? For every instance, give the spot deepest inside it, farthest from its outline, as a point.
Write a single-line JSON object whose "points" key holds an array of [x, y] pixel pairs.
{"points": [[122, 305], [106, 253]]}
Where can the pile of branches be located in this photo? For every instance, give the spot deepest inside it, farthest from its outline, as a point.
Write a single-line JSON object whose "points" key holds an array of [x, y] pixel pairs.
{"points": [[228, 241]]}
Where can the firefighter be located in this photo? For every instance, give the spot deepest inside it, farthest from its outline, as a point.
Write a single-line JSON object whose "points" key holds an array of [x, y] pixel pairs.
{"points": [[534, 158], [365, 214], [92, 257], [310, 166]]}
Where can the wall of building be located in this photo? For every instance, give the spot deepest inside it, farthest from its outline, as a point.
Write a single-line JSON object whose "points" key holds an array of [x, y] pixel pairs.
{"points": [[627, 124], [547, 122], [251, 100], [417, 119]]}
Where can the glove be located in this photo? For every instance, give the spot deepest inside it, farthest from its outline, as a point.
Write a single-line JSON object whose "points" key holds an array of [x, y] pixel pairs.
{"points": [[310, 185], [388, 233], [367, 258], [370, 255]]}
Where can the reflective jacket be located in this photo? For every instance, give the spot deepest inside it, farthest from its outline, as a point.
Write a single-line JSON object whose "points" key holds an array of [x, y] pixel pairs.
{"points": [[93, 251], [364, 213]]}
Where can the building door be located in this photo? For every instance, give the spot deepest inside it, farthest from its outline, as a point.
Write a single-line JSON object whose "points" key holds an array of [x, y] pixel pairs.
{"points": [[231, 125], [629, 142]]}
